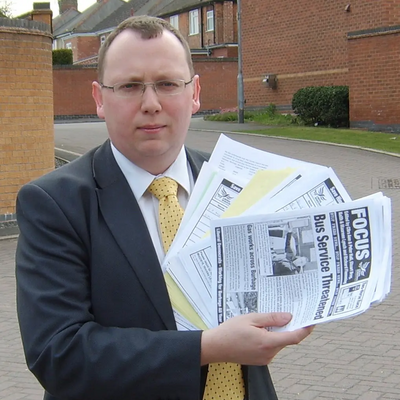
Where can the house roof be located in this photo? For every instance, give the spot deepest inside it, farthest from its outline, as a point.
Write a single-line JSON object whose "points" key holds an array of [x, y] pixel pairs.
{"points": [[103, 16], [88, 19], [152, 7], [120, 14], [177, 6], [64, 18], [144, 7]]}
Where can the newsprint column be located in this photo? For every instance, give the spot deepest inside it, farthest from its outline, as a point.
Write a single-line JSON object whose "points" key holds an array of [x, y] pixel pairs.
{"points": [[26, 110]]}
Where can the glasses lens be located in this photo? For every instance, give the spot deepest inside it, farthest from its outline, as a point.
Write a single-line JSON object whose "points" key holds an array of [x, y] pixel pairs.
{"points": [[129, 89], [172, 86]]}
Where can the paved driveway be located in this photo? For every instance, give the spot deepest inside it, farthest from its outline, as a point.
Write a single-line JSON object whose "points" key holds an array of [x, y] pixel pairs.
{"points": [[353, 359]]}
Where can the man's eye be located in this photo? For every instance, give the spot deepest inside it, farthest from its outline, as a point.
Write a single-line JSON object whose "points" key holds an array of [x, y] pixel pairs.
{"points": [[167, 84], [131, 86]]}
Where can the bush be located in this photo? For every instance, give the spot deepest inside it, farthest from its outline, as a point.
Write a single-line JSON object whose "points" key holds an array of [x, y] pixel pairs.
{"points": [[322, 105], [266, 116], [62, 57]]}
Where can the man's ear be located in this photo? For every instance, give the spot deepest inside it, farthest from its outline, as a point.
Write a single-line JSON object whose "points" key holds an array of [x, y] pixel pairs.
{"points": [[98, 99], [196, 94]]}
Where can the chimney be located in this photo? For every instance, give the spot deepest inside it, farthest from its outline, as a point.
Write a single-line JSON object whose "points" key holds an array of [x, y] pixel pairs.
{"points": [[65, 5]]}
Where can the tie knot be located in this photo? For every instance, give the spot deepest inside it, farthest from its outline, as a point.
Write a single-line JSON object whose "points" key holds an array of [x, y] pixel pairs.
{"points": [[163, 187]]}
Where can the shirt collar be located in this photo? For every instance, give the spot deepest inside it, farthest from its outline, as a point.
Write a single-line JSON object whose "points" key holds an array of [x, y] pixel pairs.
{"points": [[139, 179]]}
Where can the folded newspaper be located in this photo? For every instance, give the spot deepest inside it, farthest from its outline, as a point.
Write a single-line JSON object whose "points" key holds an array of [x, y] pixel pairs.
{"points": [[265, 233]]}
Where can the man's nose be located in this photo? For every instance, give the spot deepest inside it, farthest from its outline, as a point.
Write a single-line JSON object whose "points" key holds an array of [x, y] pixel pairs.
{"points": [[150, 100]]}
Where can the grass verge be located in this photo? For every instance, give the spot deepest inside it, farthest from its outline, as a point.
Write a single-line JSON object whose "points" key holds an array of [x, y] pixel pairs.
{"points": [[289, 127], [388, 142]]}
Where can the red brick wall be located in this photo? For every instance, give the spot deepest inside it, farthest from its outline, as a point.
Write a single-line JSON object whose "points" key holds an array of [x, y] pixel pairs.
{"points": [[303, 42], [306, 43], [73, 90], [84, 46], [88, 46], [368, 14], [26, 111], [72, 87], [374, 80], [218, 80]]}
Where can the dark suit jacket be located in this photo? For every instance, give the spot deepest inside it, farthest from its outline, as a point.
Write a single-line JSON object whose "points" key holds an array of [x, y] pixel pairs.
{"points": [[94, 313]]}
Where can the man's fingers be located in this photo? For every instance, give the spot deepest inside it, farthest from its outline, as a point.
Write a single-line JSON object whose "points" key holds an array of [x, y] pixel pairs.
{"points": [[282, 339], [266, 320]]}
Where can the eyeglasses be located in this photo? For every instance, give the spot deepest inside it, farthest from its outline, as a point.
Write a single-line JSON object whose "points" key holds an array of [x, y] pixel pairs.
{"points": [[168, 87]]}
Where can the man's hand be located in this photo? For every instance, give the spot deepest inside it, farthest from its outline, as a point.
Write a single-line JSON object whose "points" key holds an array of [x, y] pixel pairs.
{"points": [[244, 339]]}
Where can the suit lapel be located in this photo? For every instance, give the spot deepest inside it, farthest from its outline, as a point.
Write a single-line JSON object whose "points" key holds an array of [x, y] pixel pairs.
{"points": [[129, 230], [196, 160]]}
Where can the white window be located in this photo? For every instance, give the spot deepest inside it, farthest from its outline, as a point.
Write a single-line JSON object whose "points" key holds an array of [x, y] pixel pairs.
{"points": [[210, 20], [193, 22], [174, 21], [68, 45], [102, 39]]}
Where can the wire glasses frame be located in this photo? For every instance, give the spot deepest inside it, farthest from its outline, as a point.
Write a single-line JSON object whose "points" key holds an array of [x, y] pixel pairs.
{"points": [[168, 87]]}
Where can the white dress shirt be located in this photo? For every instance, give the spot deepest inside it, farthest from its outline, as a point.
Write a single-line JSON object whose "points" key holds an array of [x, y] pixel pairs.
{"points": [[139, 180]]}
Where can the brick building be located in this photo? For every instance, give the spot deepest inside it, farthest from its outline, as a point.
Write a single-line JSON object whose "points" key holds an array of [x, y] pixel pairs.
{"points": [[26, 109], [317, 43], [74, 30], [295, 44], [209, 26]]}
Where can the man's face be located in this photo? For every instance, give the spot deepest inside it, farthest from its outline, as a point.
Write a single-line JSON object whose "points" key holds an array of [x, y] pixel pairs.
{"points": [[150, 129]]}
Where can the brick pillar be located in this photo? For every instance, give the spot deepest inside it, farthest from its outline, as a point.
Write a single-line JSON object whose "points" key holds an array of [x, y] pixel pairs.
{"points": [[42, 13], [26, 108]]}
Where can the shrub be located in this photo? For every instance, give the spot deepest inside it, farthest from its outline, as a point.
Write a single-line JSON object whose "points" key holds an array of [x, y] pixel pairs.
{"points": [[322, 105], [62, 57]]}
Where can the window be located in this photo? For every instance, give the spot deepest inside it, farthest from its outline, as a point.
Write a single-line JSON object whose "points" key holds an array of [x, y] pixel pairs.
{"points": [[174, 21], [68, 45], [210, 20], [193, 22], [102, 39]]}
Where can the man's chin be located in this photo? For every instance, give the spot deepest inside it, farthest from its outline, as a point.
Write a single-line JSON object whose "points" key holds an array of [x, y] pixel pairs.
{"points": [[157, 157]]}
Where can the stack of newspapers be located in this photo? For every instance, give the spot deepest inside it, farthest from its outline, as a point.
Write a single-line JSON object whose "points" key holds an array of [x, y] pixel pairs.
{"points": [[267, 233]]}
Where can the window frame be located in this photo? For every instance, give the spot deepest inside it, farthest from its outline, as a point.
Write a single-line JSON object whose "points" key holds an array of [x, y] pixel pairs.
{"points": [[194, 27], [174, 21], [208, 14]]}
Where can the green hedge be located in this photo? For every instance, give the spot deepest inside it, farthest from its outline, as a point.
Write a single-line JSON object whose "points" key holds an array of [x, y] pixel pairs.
{"points": [[62, 57], [322, 105]]}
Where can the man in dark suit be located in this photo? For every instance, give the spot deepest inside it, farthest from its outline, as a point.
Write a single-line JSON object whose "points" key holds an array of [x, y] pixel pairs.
{"points": [[95, 316]]}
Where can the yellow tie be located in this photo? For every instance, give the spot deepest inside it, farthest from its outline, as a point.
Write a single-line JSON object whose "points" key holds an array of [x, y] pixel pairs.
{"points": [[170, 212], [224, 380]]}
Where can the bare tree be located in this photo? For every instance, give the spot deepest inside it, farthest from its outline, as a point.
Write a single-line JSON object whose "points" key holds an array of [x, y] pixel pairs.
{"points": [[6, 8]]}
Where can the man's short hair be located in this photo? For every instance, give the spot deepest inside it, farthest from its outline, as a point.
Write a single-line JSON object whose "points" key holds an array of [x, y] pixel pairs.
{"points": [[148, 27]]}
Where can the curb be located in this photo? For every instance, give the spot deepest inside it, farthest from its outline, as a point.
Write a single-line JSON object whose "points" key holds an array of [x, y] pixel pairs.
{"points": [[301, 140], [8, 232]]}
